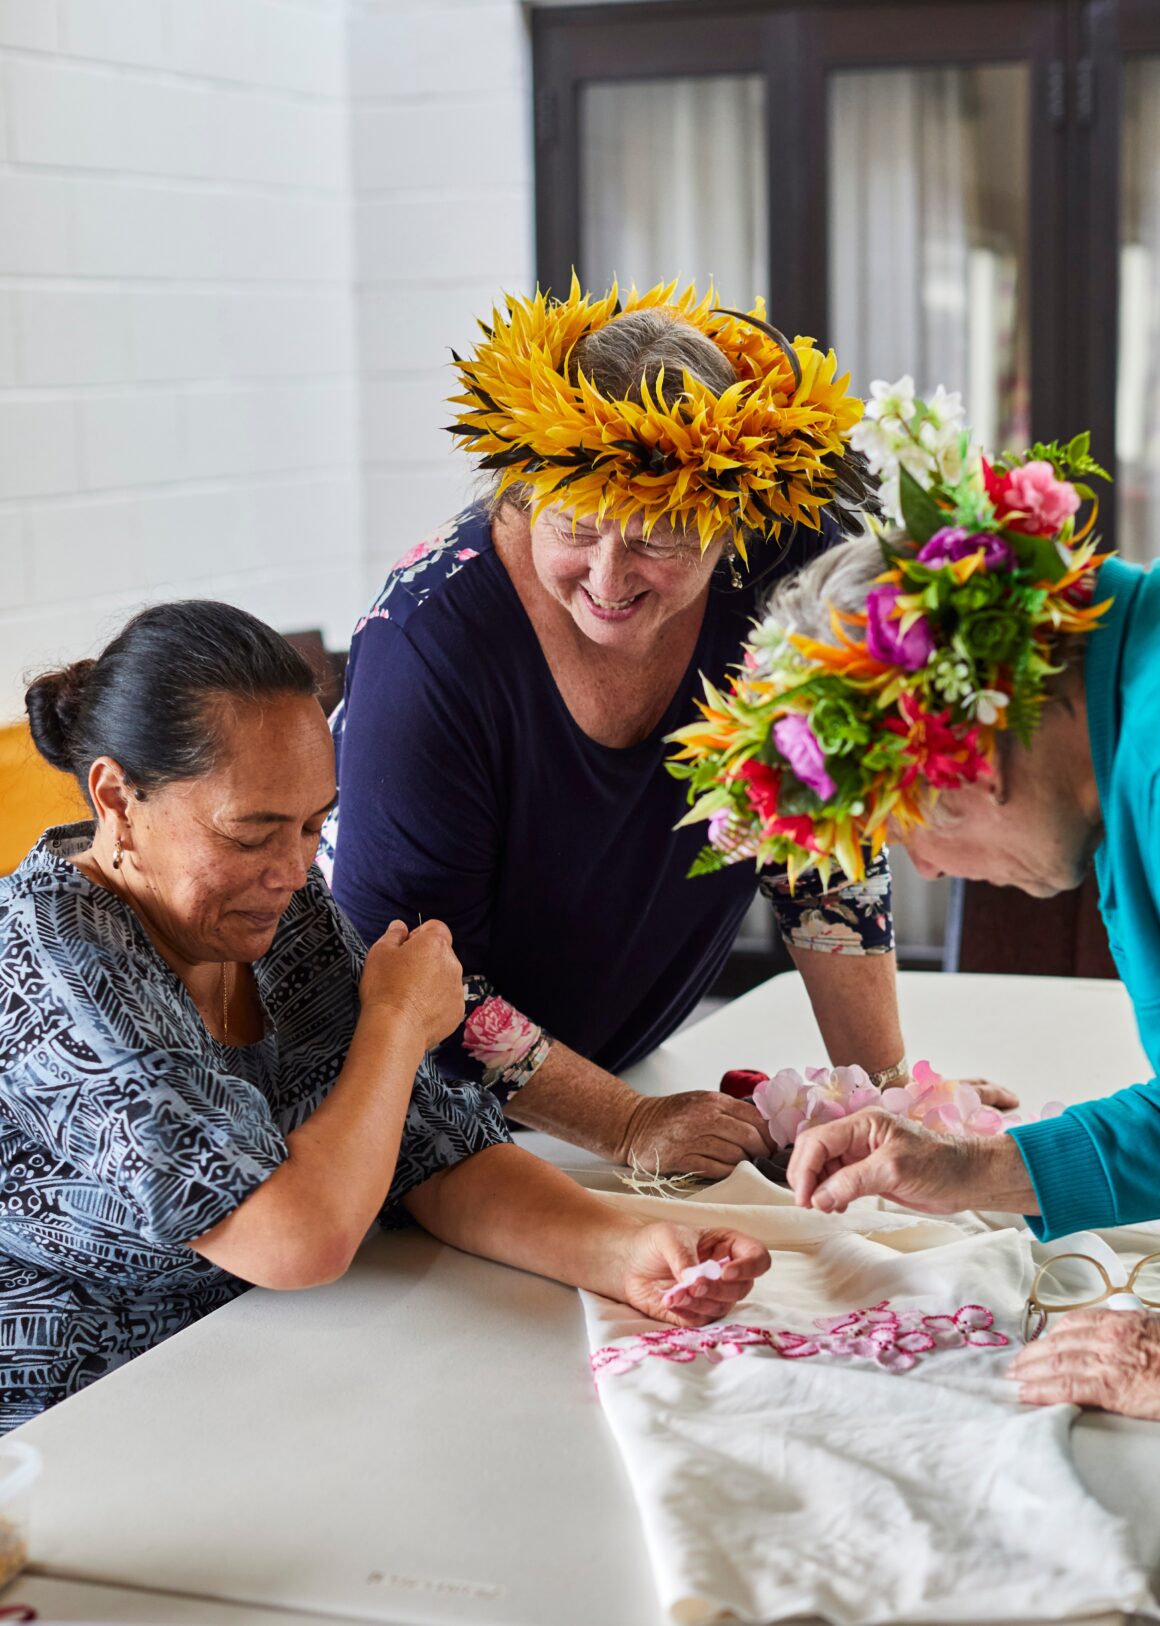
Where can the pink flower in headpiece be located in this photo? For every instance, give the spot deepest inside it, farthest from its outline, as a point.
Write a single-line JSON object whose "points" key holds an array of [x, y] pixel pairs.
{"points": [[798, 744], [885, 639], [1031, 499], [955, 542]]}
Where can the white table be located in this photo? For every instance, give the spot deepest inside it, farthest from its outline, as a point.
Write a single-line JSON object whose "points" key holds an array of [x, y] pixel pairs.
{"points": [[421, 1441]]}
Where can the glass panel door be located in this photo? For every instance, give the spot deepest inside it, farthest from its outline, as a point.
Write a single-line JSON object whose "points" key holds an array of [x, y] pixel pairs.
{"points": [[1138, 376], [928, 226], [673, 183]]}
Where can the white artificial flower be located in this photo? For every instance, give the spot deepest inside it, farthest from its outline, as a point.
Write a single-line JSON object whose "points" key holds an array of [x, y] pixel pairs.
{"points": [[876, 444], [917, 461], [892, 400], [949, 460], [891, 500], [986, 704], [945, 409]]}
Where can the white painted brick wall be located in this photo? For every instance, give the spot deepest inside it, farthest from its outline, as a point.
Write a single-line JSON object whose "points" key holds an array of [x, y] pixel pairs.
{"points": [[237, 241], [178, 388], [441, 160]]}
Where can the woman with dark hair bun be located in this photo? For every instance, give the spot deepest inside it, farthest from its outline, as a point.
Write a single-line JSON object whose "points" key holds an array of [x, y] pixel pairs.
{"points": [[206, 1080]]}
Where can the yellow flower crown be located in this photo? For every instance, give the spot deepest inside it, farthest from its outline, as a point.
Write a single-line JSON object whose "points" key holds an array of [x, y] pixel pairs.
{"points": [[767, 452]]}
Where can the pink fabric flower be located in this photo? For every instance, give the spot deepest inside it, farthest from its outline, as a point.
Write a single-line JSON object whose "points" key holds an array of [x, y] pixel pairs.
{"points": [[945, 1106], [788, 1102], [1031, 498], [709, 1270], [886, 641], [781, 1101], [798, 744], [497, 1035], [955, 542]]}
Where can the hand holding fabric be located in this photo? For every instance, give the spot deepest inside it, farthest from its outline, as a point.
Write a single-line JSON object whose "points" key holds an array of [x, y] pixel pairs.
{"points": [[658, 1255], [1104, 1358]]}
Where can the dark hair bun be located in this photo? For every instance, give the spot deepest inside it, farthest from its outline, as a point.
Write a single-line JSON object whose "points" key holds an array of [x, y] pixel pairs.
{"points": [[52, 702]]}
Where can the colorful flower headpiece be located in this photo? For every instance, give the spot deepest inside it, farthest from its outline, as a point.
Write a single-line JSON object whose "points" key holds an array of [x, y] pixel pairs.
{"points": [[767, 452], [816, 745]]}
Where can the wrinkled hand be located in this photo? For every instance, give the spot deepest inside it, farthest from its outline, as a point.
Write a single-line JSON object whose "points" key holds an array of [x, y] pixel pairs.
{"points": [[1105, 1358], [996, 1096], [992, 1095], [874, 1153], [657, 1254], [696, 1132], [416, 974]]}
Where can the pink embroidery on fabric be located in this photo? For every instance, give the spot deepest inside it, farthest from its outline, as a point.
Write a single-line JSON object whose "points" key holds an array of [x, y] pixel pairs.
{"points": [[893, 1339]]}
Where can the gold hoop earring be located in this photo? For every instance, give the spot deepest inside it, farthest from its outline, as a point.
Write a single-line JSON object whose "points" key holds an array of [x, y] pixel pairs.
{"points": [[118, 852]]}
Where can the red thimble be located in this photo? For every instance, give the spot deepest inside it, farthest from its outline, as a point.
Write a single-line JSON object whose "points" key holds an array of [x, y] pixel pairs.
{"points": [[740, 1082]]}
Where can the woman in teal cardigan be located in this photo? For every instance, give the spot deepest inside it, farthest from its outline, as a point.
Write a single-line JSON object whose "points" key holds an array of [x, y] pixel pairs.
{"points": [[993, 700]]}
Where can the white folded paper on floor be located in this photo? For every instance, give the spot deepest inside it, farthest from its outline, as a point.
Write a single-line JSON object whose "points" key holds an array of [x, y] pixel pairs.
{"points": [[804, 1460]]}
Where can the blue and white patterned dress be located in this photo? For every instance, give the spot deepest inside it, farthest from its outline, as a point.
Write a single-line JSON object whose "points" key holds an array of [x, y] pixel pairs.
{"points": [[127, 1129]]}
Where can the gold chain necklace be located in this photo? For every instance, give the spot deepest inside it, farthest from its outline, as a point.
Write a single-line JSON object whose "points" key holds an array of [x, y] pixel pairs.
{"points": [[225, 1003]]}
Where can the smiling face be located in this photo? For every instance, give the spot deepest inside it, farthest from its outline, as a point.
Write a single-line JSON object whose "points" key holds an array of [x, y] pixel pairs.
{"points": [[210, 864], [619, 590]]}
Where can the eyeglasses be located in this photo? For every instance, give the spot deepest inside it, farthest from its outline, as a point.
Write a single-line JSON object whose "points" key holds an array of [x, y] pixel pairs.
{"points": [[1080, 1281], [643, 547]]}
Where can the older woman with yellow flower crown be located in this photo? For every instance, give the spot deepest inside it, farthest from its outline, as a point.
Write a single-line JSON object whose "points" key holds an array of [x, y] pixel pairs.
{"points": [[501, 741], [986, 685]]}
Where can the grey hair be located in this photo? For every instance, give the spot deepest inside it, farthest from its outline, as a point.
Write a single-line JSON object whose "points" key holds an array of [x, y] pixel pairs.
{"points": [[840, 579], [634, 347]]}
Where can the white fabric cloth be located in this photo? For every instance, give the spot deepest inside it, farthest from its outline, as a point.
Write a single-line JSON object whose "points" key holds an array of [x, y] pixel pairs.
{"points": [[881, 1470]]}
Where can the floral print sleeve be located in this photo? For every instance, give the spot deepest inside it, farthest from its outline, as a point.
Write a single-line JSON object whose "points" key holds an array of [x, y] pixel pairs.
{"points": [[850, 919], [497, 1044]]}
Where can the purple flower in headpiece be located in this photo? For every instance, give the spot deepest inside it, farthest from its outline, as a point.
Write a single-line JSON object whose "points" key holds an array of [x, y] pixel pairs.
{"points": [[885, 639], [955, 542], [798, 744]]}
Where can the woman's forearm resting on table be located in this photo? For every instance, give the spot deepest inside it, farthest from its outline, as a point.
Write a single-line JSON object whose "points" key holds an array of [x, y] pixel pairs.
{"points": [[302, 1225], [580, 1102], [508, 1205]]}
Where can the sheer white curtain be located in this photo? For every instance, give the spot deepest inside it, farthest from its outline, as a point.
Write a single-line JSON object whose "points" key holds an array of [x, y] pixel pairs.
{"points": [[673, 184], [1138, 380], [902, 186]]}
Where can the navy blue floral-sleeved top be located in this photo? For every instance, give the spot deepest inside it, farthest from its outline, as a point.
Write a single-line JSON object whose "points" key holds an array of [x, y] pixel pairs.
{"points": [[127, 1129], [470, 794]]}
